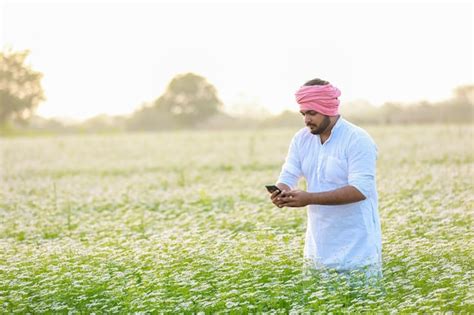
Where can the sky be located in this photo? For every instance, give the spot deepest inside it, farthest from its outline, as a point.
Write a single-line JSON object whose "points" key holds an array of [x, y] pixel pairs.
{"points": [[112, 57]]}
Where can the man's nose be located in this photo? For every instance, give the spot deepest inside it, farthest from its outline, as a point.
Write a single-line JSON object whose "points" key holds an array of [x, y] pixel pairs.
{"points": [[307, 119]]}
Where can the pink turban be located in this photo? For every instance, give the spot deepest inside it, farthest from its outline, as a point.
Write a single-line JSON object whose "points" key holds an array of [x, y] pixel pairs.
{"points": [[320, 98]]}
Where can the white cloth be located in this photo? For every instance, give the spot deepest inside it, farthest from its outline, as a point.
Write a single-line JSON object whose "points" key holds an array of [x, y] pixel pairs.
{"points": [[343, 237]]}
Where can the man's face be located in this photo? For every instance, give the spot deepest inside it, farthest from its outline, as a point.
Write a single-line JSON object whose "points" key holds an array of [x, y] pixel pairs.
{"points": [[315, 121]]}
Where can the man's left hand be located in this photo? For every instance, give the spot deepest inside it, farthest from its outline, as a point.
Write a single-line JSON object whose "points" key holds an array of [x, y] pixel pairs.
{"points": [[294, 198]]}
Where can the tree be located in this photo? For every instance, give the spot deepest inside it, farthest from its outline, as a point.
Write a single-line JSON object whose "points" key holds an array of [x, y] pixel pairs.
{"points": [[189, 99], [20, 87], [465, 93], [149, 118]]}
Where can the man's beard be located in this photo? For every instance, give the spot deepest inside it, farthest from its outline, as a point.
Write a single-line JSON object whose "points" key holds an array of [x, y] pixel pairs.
{"points": [[323, 126]]}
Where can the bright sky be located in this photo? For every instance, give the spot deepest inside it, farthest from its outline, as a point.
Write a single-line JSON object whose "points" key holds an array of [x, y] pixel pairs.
{"points": [[105, 57]]}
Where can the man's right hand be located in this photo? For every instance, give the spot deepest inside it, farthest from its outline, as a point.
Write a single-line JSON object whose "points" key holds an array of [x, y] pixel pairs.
{"points": [[276, 194]]}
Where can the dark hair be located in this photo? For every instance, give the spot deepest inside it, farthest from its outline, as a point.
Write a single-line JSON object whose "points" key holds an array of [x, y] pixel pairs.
{"points": [[316, 82]]}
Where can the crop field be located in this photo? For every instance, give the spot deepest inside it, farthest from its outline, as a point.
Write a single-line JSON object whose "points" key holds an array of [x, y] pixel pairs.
{"points": [[180, 222]]}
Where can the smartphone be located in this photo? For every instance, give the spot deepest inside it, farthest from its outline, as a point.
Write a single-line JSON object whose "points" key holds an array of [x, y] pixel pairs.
{"points": [[272, 188]]}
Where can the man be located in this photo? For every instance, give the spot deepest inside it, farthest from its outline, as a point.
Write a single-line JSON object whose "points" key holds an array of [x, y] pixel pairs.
{"points": [[338, 161]]}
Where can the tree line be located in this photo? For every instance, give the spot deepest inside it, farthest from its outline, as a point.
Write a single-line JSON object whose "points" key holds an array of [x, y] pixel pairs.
{"points": [[190, 101]]}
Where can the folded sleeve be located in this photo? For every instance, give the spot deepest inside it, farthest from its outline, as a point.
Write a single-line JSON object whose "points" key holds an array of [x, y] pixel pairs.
{"points": [[291, 169], [362, 156]]}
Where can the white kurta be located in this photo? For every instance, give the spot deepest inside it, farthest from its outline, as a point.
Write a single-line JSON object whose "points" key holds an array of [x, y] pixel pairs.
{"points": [[343, 237]]}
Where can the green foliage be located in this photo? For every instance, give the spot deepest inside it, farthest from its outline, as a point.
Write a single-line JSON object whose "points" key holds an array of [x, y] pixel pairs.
{"points": [[189, 101], [20, 87], [149, 118], [189, 98], [179, 222]]}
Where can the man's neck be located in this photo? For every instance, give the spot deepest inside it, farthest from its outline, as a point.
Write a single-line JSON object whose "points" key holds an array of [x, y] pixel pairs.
{"points": [[325, 135]]}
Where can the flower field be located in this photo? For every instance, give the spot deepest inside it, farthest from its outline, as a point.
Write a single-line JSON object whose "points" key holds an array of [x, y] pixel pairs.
{"points": [[180, 222]]}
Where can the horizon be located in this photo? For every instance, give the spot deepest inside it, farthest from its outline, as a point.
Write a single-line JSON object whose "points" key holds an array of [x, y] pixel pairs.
{"points": [[113, 66], [258, 111]]}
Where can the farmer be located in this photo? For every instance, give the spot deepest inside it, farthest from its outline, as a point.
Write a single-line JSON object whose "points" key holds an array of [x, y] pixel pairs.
{"points": [[337, 160]]}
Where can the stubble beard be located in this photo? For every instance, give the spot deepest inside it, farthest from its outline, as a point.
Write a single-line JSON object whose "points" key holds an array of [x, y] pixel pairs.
{"points": [[322, 127]]}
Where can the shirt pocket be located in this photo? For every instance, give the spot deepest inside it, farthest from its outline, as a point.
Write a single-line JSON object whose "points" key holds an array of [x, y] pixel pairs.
{"points": [[335, 171]]}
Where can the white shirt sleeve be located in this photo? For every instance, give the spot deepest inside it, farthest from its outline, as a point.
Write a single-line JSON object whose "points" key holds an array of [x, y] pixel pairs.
{"points": [[291, 169], [362, 156]]}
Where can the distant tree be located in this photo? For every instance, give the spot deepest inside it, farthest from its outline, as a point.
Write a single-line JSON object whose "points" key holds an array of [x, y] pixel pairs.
{"points": [[149, 118], [189, 99], [465, 93], [390, 113], [103, 123], [20, 87]]}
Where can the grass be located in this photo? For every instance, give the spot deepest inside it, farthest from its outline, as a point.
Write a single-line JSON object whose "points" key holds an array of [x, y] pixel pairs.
{"points": [[180, 222]]}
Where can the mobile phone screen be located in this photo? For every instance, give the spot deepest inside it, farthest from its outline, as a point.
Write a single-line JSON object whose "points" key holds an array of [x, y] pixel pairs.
{"points": [[272, 188]]}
